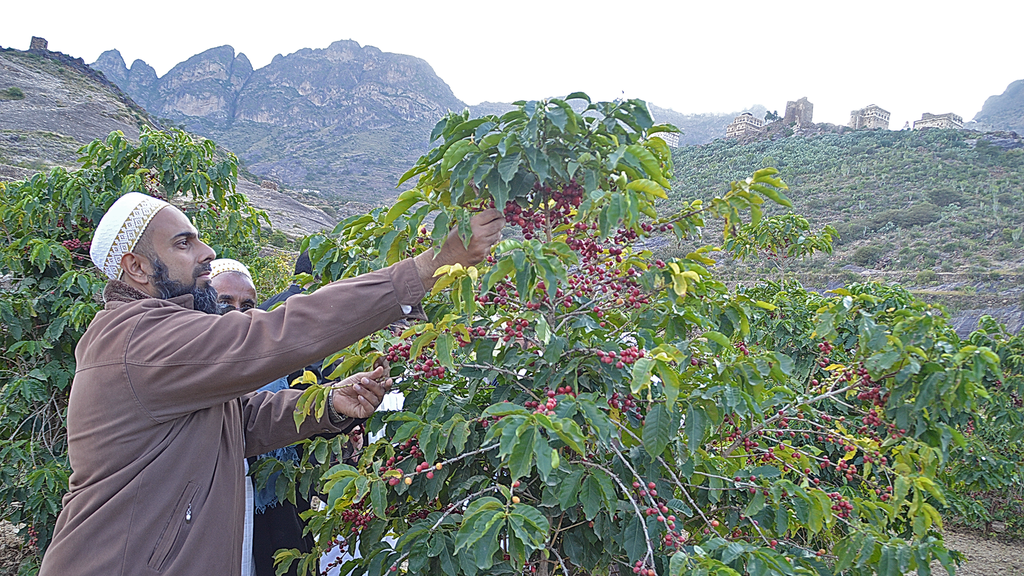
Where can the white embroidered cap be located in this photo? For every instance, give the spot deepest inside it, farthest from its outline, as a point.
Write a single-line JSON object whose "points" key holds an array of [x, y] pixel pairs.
{"points": [[228, 265], [120, 229]]}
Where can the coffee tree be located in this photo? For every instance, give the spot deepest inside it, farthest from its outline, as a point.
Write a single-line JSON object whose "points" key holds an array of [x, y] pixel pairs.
{"points": [[986, 477], [50, 292], [576, 406]]}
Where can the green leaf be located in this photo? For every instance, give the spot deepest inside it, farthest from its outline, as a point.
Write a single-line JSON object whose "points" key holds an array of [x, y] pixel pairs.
{"points": [[670, 381], [568, 490], [521, 459], [694, 426], [677, 563], [785, 363], [479, 513], [422, 340], [530, 524], [657, 430], [882, 361], [634, 539], [591, 497], [642, 374], [399, 208], [648, 187], [508, 166], [498, 272], [379, 499], [718, 338], [543, 330], [545, 456]]}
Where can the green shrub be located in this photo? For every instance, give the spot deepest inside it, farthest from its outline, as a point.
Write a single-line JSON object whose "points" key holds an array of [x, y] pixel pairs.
{"points": [[916, 215], [867, 255], [944, 196], [278, 239], [12, 93], [926, 277]]}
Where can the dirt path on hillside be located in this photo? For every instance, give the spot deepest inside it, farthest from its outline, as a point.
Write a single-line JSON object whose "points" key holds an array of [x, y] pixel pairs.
{"points": [[985, 556]]}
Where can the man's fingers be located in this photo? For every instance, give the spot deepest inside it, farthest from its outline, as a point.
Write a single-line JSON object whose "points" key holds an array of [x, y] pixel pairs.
{"points": [[371, 390], [488, 217]]}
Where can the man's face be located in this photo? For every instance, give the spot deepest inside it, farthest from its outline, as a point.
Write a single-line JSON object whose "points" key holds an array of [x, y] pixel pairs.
{"points": [[179, 263], [234, 291]]}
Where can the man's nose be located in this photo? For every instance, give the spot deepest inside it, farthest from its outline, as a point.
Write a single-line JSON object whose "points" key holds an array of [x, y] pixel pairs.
{"points": [[207, 254]]}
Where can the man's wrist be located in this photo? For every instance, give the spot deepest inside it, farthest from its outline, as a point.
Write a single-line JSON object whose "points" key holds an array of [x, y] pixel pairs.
{"points": [[336, 418], [426, 265]]}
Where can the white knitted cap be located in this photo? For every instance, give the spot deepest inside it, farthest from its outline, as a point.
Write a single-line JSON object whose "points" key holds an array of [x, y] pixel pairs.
{"points": [[228, 265], [120, 229]]}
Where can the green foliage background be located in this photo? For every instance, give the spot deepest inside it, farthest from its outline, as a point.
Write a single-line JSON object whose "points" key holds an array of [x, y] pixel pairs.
{"points": [[946, 199], [50, 291]]}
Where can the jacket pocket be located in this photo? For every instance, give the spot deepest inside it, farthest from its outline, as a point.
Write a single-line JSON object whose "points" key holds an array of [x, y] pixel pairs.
{"points": [[176, 529]]}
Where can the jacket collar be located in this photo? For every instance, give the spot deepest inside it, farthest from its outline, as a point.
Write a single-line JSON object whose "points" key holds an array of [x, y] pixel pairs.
{"points": [[117, 293]]}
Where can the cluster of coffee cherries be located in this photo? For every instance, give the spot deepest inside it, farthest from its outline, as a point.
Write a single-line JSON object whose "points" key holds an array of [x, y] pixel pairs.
{"points": [[622, 358], [742, 347], [428, 468], [841, 506], [567, 199], [408, 449], [474, 332], [356, 516], [619, 402], [422, 513], [400, 353], [548, 406], [629, 406], [504, 292], [74, 244], [425, 367], [639, 568], [514, 329]]}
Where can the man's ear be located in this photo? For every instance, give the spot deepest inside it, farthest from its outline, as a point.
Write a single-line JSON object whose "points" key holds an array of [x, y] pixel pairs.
{"points": [[135, 268]]}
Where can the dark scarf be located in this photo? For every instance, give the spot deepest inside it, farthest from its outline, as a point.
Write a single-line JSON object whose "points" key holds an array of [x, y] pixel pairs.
{"points": [[118, 291]]}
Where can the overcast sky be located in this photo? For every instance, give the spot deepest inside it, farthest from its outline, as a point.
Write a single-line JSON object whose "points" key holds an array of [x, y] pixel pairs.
{"points": [[908, 57]]}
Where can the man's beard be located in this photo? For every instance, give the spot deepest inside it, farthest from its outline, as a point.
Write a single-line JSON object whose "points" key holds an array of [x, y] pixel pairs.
{"points": [[203, 299]]}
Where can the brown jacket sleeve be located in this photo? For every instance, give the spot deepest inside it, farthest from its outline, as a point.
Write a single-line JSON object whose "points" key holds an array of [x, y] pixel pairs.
{"points": [[268, 423], [201, 360]]}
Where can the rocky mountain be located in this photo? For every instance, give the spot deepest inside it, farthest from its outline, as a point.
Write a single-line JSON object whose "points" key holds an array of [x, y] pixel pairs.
{"points": [[65, 104], [344, 121], [1005, 111]]}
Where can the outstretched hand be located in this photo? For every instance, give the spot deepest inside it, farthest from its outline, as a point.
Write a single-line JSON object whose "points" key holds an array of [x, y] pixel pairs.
{"points": [[359, 395], [486, 231]]}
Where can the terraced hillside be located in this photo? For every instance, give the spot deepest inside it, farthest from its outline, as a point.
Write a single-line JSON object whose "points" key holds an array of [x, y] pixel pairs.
{"points": [[941, 210]]}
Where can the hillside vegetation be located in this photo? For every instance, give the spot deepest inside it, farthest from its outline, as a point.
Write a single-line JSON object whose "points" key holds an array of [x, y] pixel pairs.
{"points": [[939, 200], [940, 211]]}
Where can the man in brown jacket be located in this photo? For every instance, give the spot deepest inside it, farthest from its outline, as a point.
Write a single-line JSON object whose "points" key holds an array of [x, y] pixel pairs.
{"points": [[160, 415]]}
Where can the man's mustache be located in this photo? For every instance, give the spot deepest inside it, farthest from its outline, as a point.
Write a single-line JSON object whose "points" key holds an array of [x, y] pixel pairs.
{"points": [[201, 269]]}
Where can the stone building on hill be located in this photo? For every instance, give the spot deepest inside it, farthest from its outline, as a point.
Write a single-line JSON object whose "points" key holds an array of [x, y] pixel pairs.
{"points": [[744, 125], [38, 44], [869, 118], [800, 113], [948, 120]]}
